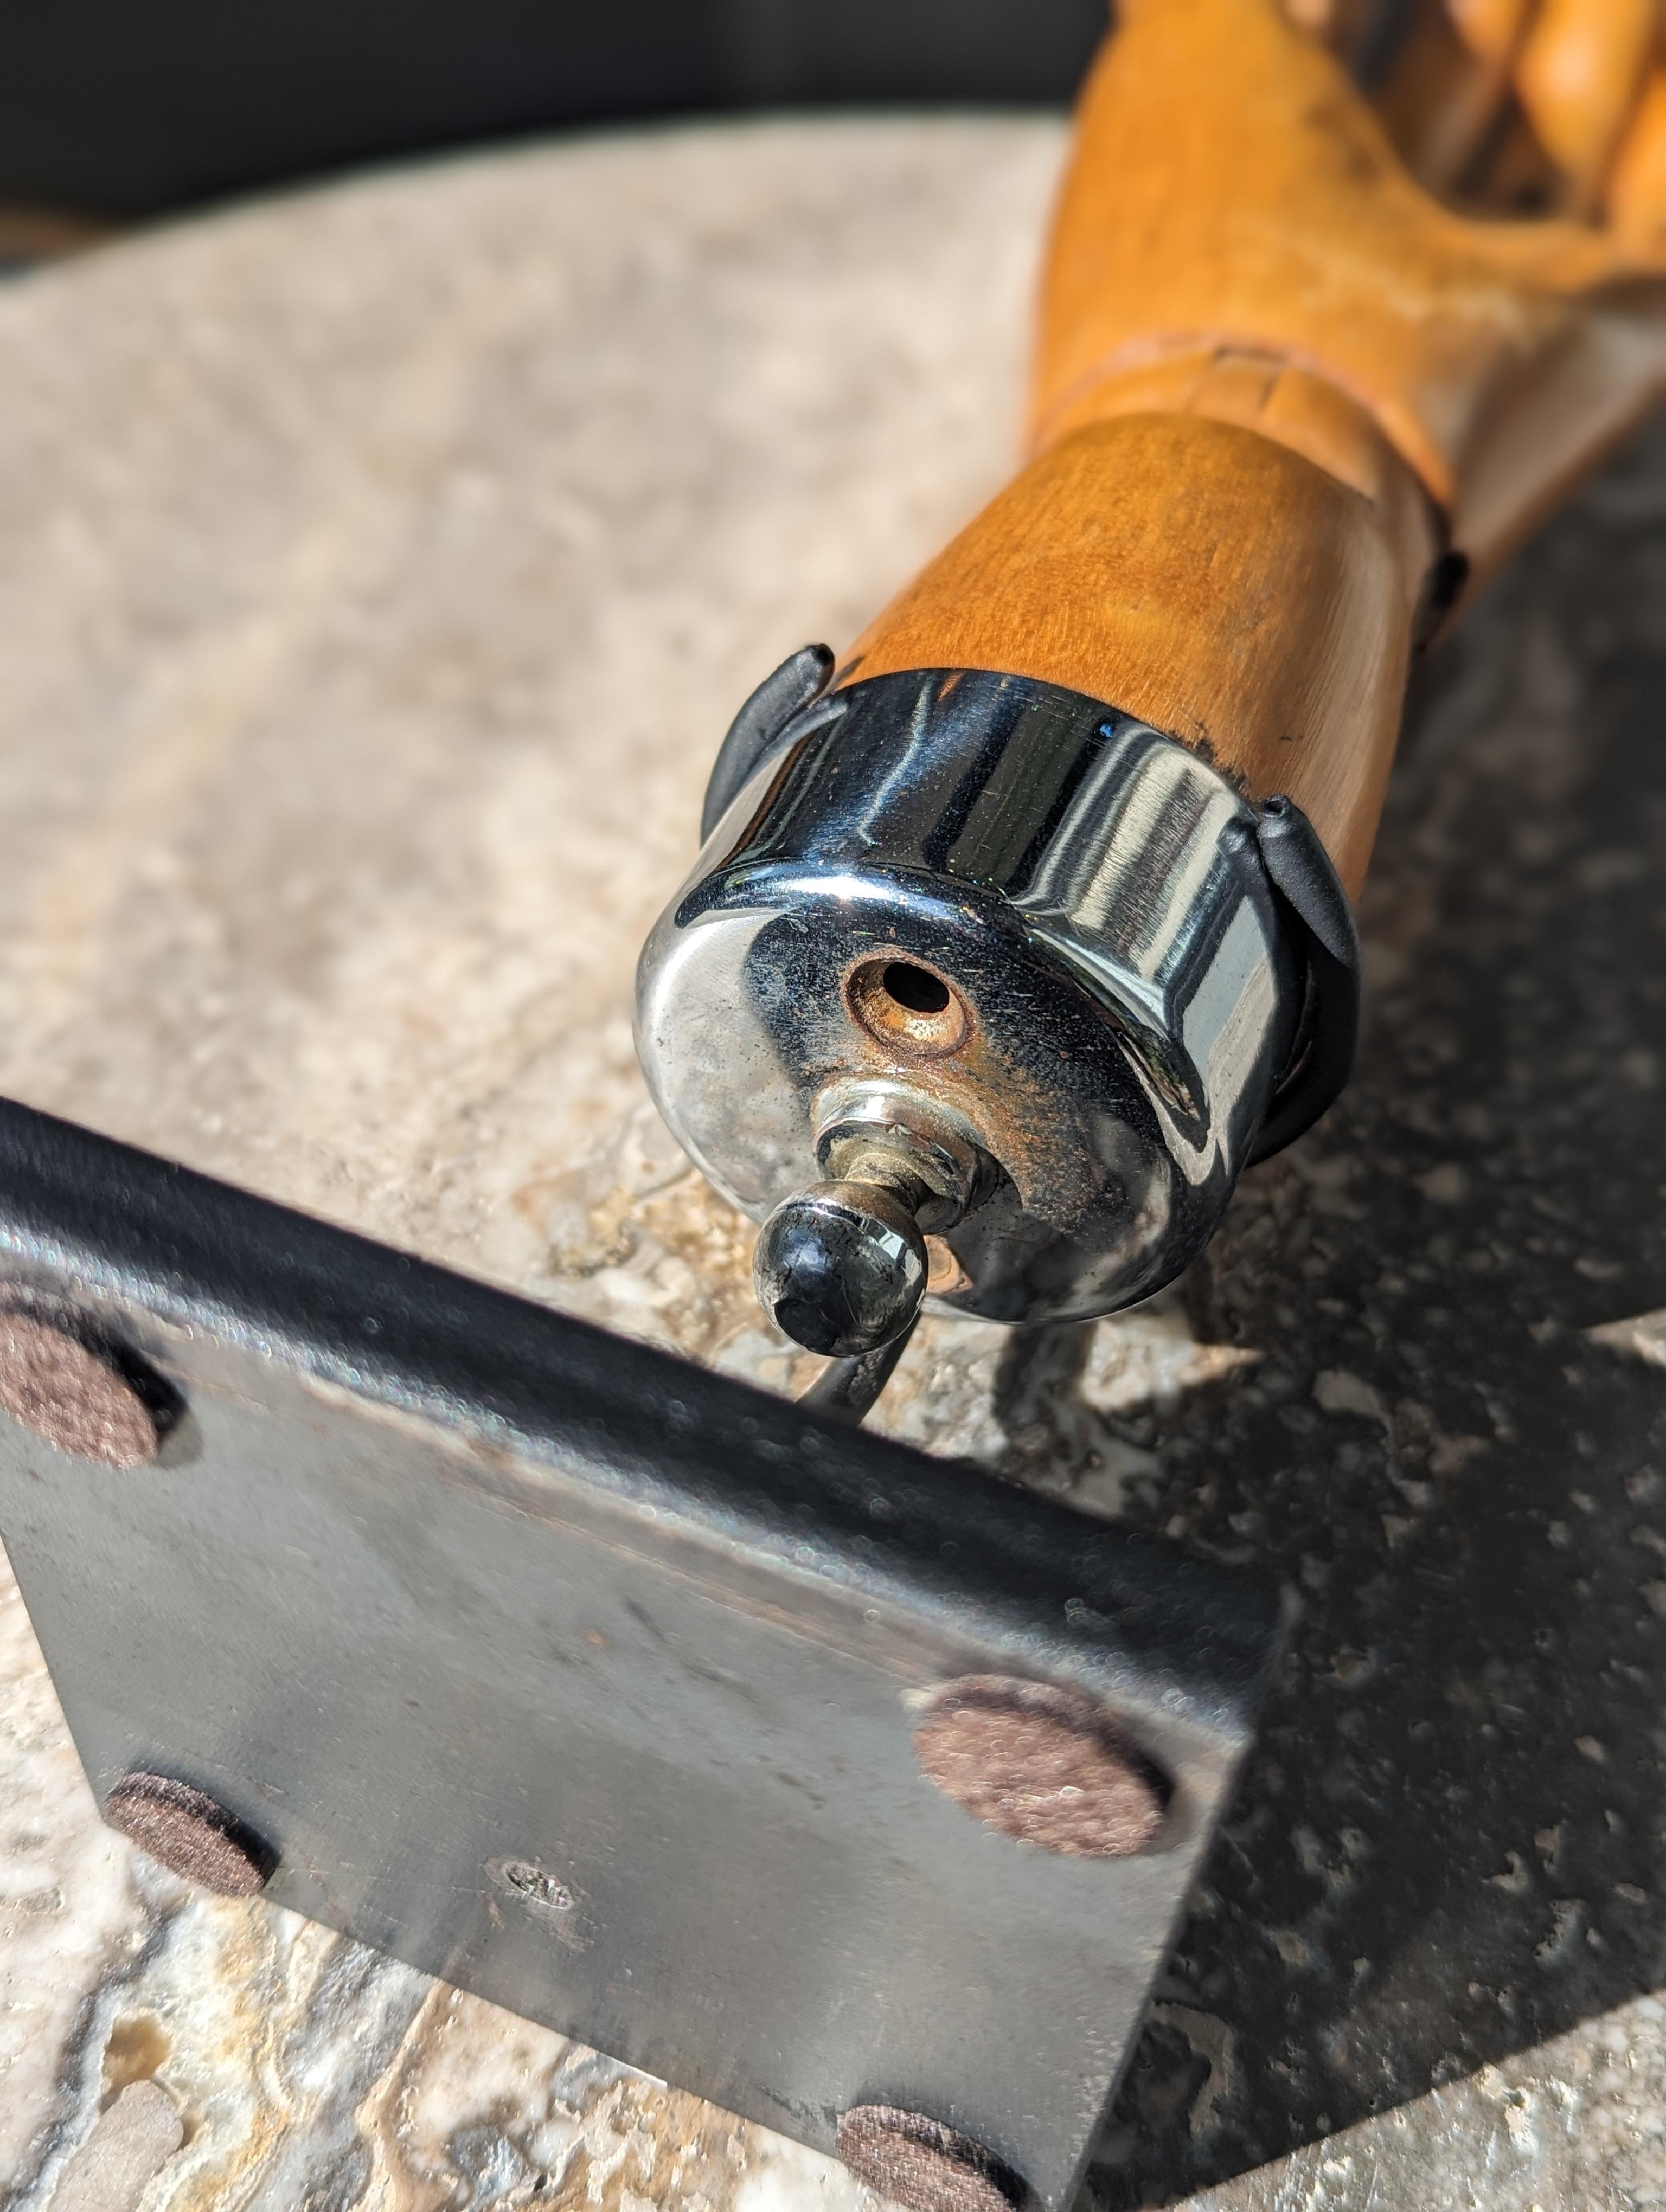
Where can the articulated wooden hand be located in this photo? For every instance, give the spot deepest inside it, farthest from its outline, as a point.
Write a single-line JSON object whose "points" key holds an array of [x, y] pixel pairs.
{"points": [[1019, 973], [1286, 398]]}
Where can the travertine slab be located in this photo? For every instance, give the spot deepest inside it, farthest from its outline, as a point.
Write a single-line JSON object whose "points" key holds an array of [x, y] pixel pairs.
{"points": [[378, 570]]}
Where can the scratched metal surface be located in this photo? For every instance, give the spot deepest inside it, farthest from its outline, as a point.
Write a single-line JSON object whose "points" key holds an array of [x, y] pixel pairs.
{"points": [[377, 570]]}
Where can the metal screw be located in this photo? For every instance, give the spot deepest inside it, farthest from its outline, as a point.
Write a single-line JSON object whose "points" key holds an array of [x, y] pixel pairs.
{"points": [[1047, 1766], [70, 1396], [921, 2163], [190, 1834], [532, 1886]]}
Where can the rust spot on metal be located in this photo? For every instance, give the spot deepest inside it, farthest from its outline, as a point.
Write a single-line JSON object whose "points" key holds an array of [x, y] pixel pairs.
{"points": [[919, 2163], [944, 1274], [189, 1833], [1047, 1766], [905, 1002], [71, 1397]]}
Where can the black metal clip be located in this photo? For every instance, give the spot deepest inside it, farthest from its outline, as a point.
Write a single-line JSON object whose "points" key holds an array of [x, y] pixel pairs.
{"points": [[1301, 872], [797, 683]]}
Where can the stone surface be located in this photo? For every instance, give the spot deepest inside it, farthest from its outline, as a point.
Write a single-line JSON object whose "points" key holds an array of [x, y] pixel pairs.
{"points": [[131, 2142], [378, 569]]}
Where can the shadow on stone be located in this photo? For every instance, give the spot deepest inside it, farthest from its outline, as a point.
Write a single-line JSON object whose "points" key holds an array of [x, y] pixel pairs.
{"points": [[1449, 1845]]}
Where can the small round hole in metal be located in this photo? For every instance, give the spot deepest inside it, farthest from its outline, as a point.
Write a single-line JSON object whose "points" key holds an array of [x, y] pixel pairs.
{"points": [[907, 1005]]}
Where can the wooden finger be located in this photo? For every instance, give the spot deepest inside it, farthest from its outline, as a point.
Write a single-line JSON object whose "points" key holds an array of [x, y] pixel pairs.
{"points": [[1635, 198], [1582, 67]]}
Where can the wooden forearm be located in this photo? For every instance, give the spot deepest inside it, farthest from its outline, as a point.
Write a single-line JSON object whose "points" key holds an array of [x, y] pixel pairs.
{"points": [[1213, 581], [1276, 381], [1000, 967]]}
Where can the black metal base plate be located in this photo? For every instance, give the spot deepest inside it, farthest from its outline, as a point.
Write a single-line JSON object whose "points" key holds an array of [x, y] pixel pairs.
{"points": [[585, 1679]]}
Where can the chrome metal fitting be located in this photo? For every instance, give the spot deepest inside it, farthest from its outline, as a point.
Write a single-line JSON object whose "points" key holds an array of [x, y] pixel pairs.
{"points": [[887, 1131], [842, 1267], [991, 935]]}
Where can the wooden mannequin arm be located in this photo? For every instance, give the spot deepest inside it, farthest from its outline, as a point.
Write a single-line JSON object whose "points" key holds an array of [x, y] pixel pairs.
{"points": [[1276, 381]]}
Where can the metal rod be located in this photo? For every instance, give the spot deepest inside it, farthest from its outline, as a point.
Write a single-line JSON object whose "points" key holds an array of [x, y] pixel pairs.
{"points": [[849, 1388]]}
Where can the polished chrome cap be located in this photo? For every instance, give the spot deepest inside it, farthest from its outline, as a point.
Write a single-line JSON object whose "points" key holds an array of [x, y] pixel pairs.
{"points": [[1026, 938]]}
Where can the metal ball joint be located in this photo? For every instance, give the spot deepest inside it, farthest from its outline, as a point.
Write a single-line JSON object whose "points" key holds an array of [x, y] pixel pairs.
{"points": [[842, 1267]]}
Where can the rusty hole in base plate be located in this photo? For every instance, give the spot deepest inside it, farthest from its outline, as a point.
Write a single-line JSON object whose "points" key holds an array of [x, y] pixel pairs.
{"points": [[919, 2163], [1047, 1766], [532, 1886], [907, 1005]]}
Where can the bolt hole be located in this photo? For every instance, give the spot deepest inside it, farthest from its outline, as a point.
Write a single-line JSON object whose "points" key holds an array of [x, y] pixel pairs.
{"points": [[531, 1885], [916, 988], [906, 1006]]}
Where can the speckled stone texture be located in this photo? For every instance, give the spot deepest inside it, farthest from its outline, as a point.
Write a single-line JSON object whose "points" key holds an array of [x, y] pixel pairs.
{"points": [[378, 569]]}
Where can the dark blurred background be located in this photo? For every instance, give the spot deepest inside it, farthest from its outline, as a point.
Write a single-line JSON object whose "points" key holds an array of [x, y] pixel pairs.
{"points": [[115, 109]]}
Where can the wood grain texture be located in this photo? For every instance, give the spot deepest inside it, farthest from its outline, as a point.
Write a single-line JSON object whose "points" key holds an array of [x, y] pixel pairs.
{"points": [[1273, 376], [1203, 576], [1260, 205]]}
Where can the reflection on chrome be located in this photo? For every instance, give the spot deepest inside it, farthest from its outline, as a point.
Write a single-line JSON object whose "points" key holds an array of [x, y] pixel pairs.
{"points": [[1092, 893]]}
